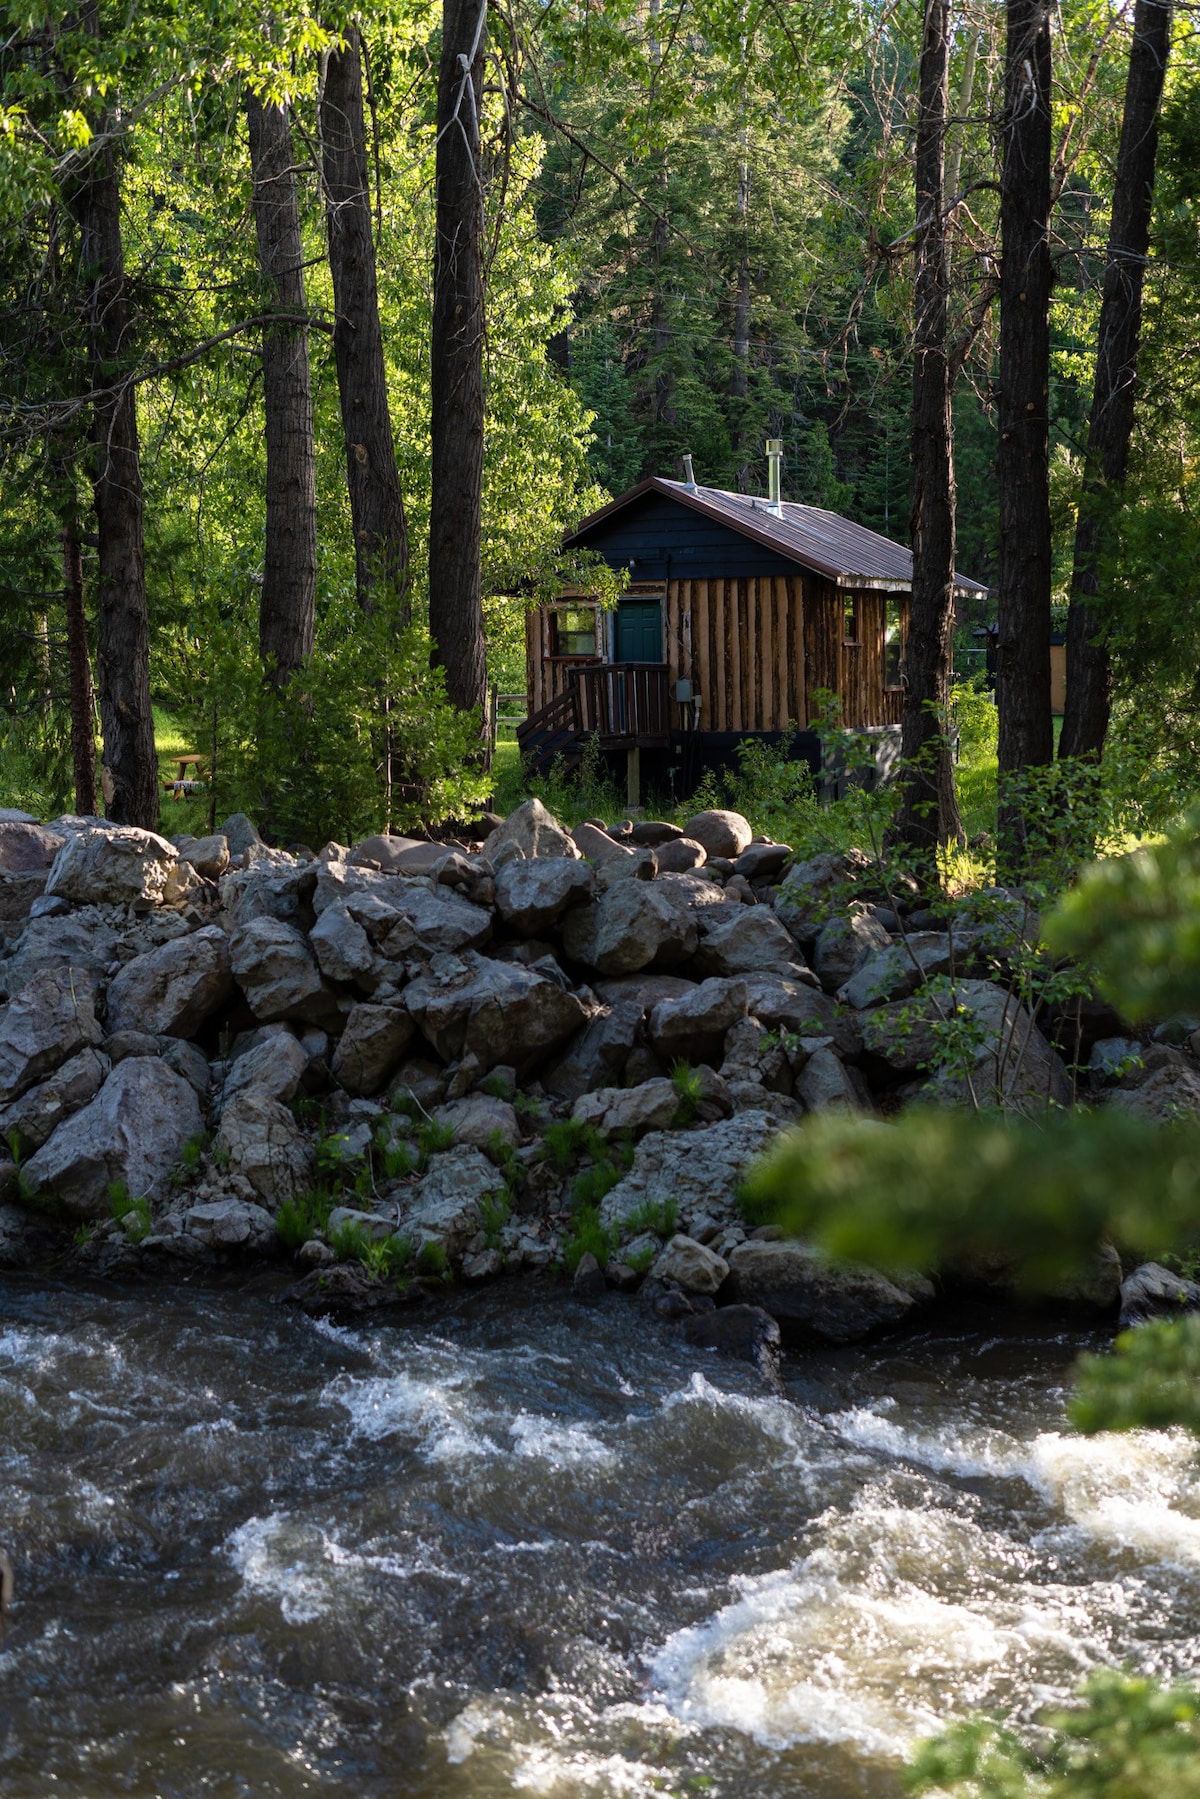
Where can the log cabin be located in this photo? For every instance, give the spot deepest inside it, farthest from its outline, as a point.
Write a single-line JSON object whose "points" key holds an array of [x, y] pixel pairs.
{"points": [[736, 613]]}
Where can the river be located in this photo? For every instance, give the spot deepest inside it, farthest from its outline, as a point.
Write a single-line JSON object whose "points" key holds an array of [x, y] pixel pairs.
{"points": [[520, 1545]]}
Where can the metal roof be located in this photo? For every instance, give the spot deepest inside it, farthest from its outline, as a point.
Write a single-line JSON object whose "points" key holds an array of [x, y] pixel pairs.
{"points": [[833, 546]]}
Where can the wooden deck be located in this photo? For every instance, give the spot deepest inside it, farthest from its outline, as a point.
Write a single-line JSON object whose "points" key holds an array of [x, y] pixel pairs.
{"points": [[625, 705]]}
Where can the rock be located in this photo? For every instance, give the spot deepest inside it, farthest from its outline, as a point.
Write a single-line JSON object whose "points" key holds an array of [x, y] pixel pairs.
{"points": [[118, 866], [1164, 1094], [23, 896], [371, 1047], [371, 1227], [762, 861], [720, 833], [680, 855], [1112, 1058], [174, 989], [267, 891], [444, 1207], [49, 1020], [694, 1025], [433, 919], [529, 831], [614, 1111], [123, 1044], [1005, 1060], [499, 1012], [811, 891], [81, 941], [594, 842], [838, 1303], [844, 944], [278, 974], [209, 856], [480, 1120], [644, 990], [265, 1145], [600, 1054], [343, 950], [699, 1169], [387, 852], [752, 1055], [533, 894], [232, 1224], [825, 1083], [745, 1332], [1152, 1292], [343, 1289], [240, 834], [691, 1266], [418, 1079], [631, 927], [483, 1267], [131, 1133], [189, 1063], [785, 1004], [745, 940], [27, 848], [589, 1283], [905, 968], [41, 1109], [653, 832], [273, 1063]]}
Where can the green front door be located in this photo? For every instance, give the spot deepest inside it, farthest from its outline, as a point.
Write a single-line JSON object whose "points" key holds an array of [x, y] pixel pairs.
{"points": [[639, 631]]}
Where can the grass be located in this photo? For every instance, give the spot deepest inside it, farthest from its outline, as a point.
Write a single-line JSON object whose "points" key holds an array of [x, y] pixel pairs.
{"points": [[661, 1216], [171, 741], [589, 1237]]}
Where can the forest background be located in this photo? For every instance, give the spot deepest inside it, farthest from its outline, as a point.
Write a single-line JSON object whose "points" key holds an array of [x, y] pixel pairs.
{"points": [[698, 225]]}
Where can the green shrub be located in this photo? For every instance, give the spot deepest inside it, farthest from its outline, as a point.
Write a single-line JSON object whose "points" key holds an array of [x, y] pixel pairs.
{"points": [[588, 1236], [303, 1216], [591, 1184], [495, 1210], [688, 1084], [658, 1215], [564, 1141], [432, 1260], [133, 1215]]}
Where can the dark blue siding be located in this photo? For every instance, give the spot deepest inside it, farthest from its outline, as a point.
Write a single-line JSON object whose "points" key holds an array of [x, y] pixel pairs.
{"points": [[658, 538]]}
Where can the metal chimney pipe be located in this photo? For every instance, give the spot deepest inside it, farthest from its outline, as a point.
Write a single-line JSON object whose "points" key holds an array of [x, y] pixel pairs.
{"points": [[775, 475], [689, 479]]}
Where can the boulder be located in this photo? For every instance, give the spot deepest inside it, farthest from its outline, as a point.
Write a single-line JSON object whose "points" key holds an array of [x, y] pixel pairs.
{"points": [[752, 1055], [700, 1169], [209, 856], [691, 1266], [387, 853], [745, 940], [599, 1055], [1004, 1059], [1168, 1092], [118, 866], [499, 1012], [784, 1003], [343, 950], [905, 968], [694, 1025], [533, 894], [745, 1332], [27, 848], [265, 1145], [277, 972], [762, 861], [844, 944], [1112, 1058], [232, 1224], [812, 891], [480, 1120], [273, 1062], [49, 1020], [189, 1063], [825, 1083], [1152, 1292], [174, 989], [371, 1047], [444, 1207], [265, 890], [589, 1283], [20, 894], [529, 831], [680, 856], [653, 832], [594, 842], [432, 919], [835, 1302], [82, 941], [720, 833], [41, 1109], [617, 1111], [632, 926], [644, 990], [131, 1133]]}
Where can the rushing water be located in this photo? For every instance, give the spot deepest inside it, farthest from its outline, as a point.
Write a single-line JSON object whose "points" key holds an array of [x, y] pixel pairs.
{"points": [[530, 1547]]}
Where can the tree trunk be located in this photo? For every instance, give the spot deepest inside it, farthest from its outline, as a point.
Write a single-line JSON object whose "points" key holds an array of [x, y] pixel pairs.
{"points": [[376, 505], [929, 808], [1022, 461], [83, 738], [739, 382], [455, 578], [130, 778], [287, 606], [1085, 722]]}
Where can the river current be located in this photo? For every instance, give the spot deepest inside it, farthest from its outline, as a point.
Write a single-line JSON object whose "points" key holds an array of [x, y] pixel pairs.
{"points": [[523, 1546]]}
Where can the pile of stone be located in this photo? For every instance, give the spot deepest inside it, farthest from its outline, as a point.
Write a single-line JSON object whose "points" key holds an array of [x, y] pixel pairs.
{"points": [[193, 1033]]}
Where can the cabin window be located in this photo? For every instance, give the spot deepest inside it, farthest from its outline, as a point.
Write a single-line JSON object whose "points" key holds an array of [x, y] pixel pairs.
{"points": [[573, 631], [893, 643], [850, 619]]}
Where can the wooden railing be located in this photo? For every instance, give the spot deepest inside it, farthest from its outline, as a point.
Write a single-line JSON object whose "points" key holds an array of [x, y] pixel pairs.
{"points": [[556, 722], [625, 703]]}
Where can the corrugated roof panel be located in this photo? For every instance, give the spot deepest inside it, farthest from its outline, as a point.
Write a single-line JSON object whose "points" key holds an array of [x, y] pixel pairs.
{"points": [[817, 539]]}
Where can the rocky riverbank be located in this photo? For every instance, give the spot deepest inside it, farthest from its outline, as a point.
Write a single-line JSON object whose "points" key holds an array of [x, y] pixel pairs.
{"points": [[399, 1062]]}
